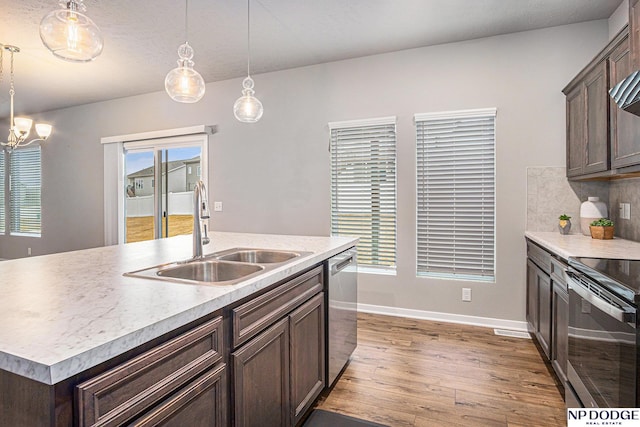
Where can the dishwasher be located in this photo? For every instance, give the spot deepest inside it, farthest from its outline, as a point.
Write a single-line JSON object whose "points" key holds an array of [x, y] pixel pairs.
{"points": [[342, 313]]}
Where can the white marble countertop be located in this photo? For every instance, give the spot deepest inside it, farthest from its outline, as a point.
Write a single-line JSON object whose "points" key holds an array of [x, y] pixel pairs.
{"points": [[64, 313], [578, 245]]}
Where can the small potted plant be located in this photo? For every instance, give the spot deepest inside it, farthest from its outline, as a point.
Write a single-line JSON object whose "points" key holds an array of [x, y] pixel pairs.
{"points": [[601, 229], [565, 224]]}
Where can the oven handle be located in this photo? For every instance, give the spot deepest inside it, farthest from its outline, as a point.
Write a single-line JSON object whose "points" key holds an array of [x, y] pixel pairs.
{"points": [[613, 311]]}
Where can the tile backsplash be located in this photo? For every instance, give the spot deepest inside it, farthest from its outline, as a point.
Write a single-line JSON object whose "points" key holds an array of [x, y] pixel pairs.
{"points": [[550, 194], [625, 191]]}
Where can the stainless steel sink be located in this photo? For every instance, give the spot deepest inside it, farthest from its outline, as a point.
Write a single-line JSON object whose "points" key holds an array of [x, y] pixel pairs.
{"points": [[222, 268], [210, 271], [257, 256]]}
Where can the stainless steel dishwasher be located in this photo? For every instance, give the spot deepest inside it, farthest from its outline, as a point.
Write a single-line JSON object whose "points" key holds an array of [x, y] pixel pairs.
{"points": [[342, 301]]}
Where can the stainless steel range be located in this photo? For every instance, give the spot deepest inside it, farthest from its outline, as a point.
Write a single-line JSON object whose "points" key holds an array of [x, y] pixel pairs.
{"points": [[603, 333]]}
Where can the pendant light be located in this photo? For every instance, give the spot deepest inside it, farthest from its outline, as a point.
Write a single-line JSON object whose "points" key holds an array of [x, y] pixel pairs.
{"points": [[70, 34], [248, 109], [183, 83]]}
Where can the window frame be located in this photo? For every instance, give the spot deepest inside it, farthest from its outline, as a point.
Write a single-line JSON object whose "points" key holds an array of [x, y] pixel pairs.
{"points": [[478, 250], [376, 266]]}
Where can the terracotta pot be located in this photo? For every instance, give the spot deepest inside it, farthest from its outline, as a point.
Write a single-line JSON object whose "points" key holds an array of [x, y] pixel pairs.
{"points": [[601, 232]]}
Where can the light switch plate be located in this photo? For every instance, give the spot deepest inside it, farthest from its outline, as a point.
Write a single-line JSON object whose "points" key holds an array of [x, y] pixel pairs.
{"points": [[217, 206]]}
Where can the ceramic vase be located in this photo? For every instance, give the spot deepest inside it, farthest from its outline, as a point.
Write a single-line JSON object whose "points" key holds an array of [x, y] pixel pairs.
{"points": [[591, 210], [564, 226]]}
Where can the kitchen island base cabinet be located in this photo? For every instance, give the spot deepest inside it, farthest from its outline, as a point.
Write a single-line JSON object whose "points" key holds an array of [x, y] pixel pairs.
{"points": [[279, 373], [162, 381]]}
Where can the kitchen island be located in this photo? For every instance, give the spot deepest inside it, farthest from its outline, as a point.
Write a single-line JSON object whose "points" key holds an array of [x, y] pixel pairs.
{"points": [[65, 314]]}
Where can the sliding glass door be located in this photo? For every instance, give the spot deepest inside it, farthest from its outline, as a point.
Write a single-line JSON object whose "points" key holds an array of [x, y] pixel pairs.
{"points": [[160, 176]]}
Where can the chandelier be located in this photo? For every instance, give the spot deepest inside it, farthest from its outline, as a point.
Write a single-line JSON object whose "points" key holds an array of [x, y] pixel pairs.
{"points": [[19, 127]]}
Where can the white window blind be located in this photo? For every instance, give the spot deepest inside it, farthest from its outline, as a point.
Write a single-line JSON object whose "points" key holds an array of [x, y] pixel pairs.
{"points": [[25, 191], [456, 194], [2, 195], [363, 187]]}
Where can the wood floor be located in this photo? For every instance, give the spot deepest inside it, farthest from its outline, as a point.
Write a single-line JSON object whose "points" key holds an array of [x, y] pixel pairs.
{"points": [[408, 372]]}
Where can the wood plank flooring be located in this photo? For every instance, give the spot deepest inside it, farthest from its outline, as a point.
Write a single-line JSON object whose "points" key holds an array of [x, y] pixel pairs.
{"points": [[408, 372]]}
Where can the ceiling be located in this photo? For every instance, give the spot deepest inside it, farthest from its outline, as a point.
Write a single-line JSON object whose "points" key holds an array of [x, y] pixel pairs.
{"points": [[142, 37]]}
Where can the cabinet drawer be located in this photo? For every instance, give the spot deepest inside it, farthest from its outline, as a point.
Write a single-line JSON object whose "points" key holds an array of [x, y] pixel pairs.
{"points": [[200, 403], [558, 271], [125, 391], [255, 315], [538, 255]]}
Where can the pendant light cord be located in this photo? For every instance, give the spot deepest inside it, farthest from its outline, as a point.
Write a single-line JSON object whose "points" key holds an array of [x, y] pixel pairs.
{"points": [[186, 20], [248, 37]]}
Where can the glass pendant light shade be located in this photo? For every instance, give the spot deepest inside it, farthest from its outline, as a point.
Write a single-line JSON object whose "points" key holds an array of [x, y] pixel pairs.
{"points": [[22, 125], [183, 83], [71, 35], [248, 108], [43, 130]]}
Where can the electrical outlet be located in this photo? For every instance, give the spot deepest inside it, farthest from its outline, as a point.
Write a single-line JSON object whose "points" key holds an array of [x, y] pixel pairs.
{"points": [[28, 251], [217, 206], [625, 210], [466, 294]]}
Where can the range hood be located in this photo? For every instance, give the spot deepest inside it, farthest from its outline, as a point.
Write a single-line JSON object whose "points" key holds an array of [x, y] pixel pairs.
{"points": [[626, 94]]}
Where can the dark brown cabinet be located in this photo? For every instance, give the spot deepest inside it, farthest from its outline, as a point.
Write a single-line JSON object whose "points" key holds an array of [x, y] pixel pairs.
{"points": [[587, 103], [603, 141], [261, 379], [307, 355], [548, 306], [279, 371], [539, 295], [625, 127], [560, 333], [634, 32], [575, 131], [184, 378]]}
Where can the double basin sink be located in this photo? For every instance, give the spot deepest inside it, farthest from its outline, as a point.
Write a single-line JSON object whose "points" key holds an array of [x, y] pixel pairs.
{"points": [[221, 268]]}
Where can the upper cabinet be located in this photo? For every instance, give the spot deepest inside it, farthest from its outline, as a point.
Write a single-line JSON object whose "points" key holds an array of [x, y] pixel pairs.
{"points": [[587, 122], [625, 127], [602, 140]]}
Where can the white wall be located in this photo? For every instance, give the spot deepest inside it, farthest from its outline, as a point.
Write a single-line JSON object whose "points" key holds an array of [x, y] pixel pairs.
{"points": [[273, 176]]}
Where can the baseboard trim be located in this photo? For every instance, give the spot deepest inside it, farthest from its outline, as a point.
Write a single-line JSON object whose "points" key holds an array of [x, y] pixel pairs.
{"points": [[443, 317]]}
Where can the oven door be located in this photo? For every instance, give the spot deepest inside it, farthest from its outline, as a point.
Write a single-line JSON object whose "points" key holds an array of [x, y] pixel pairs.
{"points": [[602, 345]]}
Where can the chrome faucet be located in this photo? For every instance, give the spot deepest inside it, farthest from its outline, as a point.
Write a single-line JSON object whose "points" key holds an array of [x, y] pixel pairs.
{"points": [[200, 212]]}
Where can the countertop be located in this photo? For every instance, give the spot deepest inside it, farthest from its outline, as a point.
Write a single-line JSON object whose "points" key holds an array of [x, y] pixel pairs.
{"points": [[578, 245], [64, 313]]}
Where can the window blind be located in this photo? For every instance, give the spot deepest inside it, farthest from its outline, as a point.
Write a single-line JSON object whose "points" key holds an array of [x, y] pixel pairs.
{"points": [[25, 191], [363, 188], [2, 198], [456, 194]]}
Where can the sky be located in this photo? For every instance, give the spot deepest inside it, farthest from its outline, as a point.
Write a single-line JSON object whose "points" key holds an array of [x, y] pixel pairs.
{"points": [[135, 161]]}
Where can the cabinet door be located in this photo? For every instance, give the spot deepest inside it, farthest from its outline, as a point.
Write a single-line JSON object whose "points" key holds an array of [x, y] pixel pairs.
{"points": [[575, 131], [544, 311], [203, 403], [634, 32], [597, 114], [560, 339], [625, 127], [261, 379], [532, 298], [307, 355]]}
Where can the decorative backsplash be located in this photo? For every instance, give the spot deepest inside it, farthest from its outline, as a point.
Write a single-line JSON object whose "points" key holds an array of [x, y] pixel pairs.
{"points": [[550, 194], [625, 191]]}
